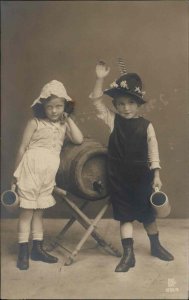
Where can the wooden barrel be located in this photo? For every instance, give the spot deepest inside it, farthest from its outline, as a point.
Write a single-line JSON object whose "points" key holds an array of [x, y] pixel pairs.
{"points": [[83, 170]]}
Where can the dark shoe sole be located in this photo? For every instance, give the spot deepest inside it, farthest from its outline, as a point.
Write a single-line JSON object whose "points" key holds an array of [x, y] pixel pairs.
{"points": [[161, 258], [38, 259], [22, 268], [126, 270]]}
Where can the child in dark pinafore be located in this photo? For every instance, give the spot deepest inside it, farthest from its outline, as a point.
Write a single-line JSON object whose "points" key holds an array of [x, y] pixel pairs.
{"points": [[133, 161]]}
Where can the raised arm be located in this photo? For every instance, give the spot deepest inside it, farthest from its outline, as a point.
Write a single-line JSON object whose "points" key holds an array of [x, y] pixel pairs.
{"points": [[101, 72], [103, 112]]}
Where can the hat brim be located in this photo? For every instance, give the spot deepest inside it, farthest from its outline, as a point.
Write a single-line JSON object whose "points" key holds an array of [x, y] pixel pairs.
{"points": [[38, 100], [116, 92]]}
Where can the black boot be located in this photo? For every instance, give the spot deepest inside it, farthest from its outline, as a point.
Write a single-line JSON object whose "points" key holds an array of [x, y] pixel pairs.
{"points": [[23, 256], [39, 254], [157, 250], [128, 259]]}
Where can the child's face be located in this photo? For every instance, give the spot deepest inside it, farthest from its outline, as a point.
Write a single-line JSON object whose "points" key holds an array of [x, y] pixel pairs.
{"points": [[54, 108], [126, 106]]}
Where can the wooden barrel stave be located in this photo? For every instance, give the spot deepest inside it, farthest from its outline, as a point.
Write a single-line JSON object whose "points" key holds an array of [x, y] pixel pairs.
{"points": [[83, 169]]}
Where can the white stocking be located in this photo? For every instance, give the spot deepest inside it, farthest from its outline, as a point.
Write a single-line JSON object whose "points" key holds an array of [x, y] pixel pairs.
{"points": [[24, 224], [37, 225], [126, 230]]}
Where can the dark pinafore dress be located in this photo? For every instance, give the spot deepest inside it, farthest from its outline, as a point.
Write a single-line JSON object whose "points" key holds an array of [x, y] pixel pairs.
{"points": [[130, 178]]}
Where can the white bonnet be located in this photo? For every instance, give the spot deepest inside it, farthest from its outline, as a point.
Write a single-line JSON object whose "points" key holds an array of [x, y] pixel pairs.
{"points": [[53, 87]]}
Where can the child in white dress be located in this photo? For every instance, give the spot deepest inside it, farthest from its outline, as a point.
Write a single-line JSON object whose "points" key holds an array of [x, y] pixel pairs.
{"points": [[37, 164]]}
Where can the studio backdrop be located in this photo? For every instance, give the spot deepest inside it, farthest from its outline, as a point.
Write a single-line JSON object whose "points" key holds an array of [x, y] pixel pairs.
{"points": [[63, 40]]}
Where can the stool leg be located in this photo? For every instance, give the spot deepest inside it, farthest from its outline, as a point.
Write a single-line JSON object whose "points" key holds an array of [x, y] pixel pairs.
{"points": [[86, 222], [86, 235], [107, 246], [58, 239]]}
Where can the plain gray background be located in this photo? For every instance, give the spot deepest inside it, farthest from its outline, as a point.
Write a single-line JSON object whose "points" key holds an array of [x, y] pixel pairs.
{"points": [[63, 40]]}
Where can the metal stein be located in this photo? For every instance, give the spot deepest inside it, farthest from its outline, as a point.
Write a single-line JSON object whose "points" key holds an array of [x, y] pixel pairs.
{"points": [[160, 203], [10, 200]]}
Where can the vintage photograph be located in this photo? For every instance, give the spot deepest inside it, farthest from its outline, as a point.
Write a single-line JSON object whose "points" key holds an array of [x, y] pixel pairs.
{"points": [[94, 155]]}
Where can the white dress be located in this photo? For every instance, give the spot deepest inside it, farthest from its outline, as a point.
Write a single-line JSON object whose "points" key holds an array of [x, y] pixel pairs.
{"points": [[37, 170]]}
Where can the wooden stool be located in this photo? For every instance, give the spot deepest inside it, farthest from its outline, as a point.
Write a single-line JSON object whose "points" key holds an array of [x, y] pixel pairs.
{"points": [[83, 173], [90, 226]]}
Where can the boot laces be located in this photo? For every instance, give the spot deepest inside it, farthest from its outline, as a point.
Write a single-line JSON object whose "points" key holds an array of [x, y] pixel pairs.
{"points": [[43, 252]]}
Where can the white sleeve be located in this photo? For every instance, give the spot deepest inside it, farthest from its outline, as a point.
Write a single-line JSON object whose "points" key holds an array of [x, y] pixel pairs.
{"points": [[153, 152], [104, 113]]}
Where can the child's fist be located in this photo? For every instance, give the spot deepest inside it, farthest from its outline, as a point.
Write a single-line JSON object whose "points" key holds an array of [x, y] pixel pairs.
{"points": [[157, 183], [13, 187], [13, 184], [102, 70]]}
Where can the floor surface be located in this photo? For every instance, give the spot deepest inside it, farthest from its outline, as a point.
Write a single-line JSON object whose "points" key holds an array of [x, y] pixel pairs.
{"points": [[92, 275]]}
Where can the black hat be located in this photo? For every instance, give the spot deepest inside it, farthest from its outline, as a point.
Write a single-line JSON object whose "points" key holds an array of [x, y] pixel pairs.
{"points": [[129, 83]]}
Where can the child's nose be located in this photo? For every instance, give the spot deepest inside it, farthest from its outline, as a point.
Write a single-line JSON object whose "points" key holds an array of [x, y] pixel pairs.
{"points": [[126, 106]]}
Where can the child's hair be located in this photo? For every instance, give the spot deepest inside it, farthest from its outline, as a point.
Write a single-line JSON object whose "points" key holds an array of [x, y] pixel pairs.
{"points": [[39, 111]]}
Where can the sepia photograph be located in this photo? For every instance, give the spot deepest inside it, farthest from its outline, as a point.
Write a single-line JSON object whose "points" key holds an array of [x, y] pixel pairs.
{"points": [[94, 151]]}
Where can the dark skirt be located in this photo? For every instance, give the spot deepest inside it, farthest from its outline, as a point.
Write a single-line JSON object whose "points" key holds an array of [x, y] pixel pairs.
{"points": [[130, 187]]}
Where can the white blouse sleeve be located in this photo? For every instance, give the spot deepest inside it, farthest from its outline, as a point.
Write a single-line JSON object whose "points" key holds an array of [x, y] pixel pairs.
{"points": [[153, 152], [104, 113]]}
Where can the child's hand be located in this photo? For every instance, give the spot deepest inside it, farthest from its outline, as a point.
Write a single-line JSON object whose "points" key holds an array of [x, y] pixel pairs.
{"points": [[13, 187], [102, 70], [13, 184], [65, 115], [157, 183]]}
